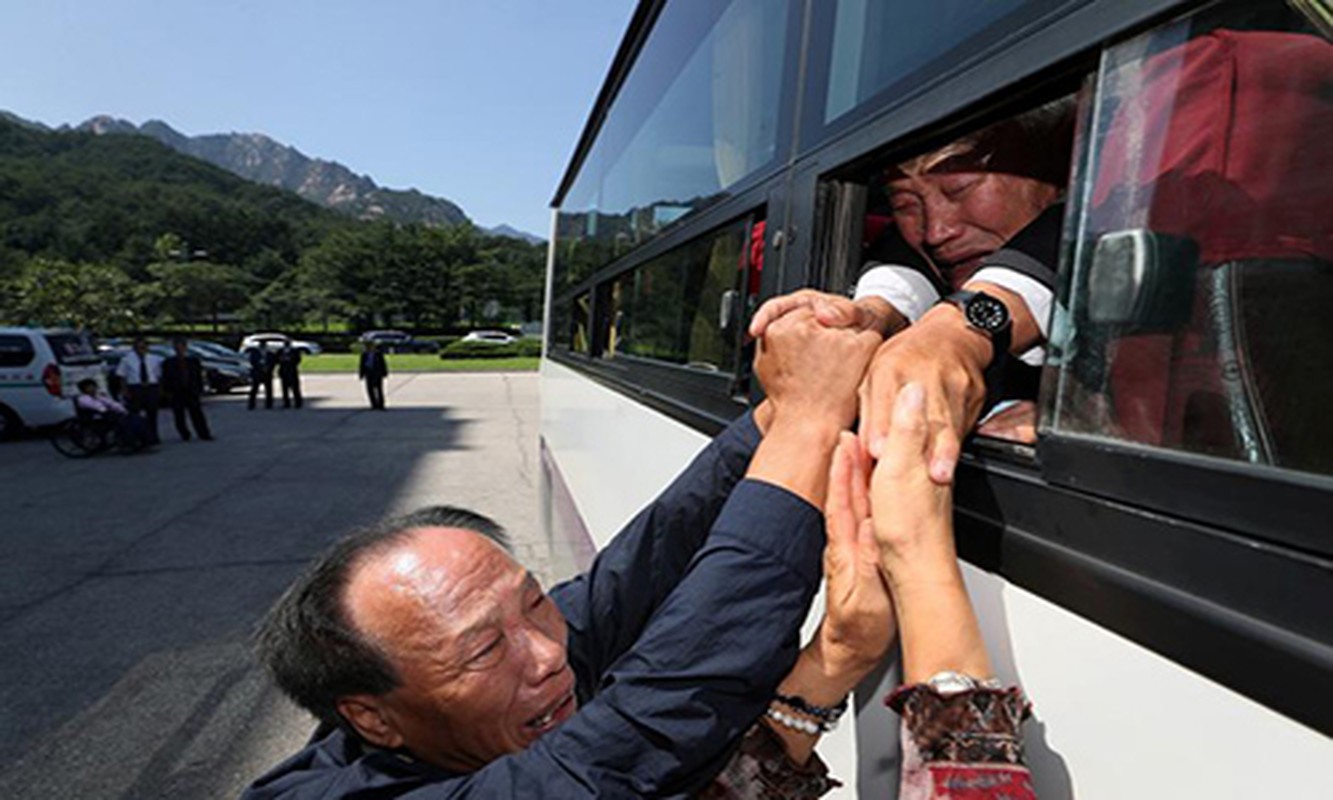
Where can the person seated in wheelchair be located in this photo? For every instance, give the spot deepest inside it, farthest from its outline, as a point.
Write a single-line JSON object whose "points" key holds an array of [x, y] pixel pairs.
{"points": [[101, 409]]}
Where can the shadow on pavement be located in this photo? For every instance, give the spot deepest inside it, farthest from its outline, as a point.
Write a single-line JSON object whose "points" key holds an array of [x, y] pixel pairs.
{"points": [[129, 585]]}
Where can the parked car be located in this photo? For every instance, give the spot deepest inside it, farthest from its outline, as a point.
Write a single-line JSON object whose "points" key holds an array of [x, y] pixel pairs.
{"points": [[224, 368], [490, 337], [276, 341], [399, 342], [40, 369]]}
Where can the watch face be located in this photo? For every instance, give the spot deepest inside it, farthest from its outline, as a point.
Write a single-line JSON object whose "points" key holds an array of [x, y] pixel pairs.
{"points": [[986, 313]]}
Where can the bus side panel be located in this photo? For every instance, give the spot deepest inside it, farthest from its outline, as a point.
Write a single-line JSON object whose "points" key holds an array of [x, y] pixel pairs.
{"points": [[614, 454], [1127, 722]]}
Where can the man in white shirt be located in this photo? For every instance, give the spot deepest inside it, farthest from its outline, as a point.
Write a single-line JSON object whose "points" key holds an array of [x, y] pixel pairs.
{"points": [[140, 373], [966, 294]]}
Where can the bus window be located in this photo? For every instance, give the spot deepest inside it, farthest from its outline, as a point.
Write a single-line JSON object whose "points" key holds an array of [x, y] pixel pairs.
{"points": [[700, 112], [873, 54], [684, 307], [1203, 265]]}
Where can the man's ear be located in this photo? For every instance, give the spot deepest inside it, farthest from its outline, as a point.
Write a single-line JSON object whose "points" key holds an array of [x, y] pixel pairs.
{"points": [[365, 713]]}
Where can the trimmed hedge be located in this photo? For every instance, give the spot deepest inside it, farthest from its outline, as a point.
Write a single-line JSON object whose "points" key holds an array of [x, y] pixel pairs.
{"points": [[520, 348]]}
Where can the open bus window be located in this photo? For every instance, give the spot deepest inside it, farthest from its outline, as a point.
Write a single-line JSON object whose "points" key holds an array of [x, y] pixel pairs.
{"points": [[1197, 307], [924, 224]]}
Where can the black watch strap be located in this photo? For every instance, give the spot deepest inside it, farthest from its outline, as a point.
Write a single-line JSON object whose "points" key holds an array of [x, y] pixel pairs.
{"points": [[1001, 335], [989, 315]]}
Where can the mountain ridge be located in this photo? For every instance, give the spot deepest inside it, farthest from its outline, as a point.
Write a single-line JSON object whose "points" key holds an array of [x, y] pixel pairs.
{"points": [[262, 159]]}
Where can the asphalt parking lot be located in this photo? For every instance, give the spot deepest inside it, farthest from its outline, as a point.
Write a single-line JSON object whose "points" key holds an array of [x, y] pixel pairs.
{"points": [[129, 585]]}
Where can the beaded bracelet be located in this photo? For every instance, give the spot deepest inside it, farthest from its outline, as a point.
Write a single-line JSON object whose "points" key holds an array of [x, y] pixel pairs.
{"points": [[805, 726], [829, 714]]}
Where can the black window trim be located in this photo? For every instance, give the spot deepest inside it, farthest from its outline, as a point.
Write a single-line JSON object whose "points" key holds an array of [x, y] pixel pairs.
{"points": [[1238, 611], [699, 400], [1283, 506]]}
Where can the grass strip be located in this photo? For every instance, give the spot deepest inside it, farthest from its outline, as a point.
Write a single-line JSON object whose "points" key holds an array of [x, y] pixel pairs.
{"points": [[417, 362]]}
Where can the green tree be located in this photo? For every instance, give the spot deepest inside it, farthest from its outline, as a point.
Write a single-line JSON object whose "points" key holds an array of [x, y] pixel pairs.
{"points": [[81, 295], [200, 289]]}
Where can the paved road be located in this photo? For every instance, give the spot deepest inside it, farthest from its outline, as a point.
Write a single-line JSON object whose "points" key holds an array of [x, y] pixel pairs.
{"points": [[129, 585]]}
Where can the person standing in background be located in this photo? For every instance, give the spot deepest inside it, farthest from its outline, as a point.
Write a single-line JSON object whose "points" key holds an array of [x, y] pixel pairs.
{"points": [[140, 372], [289, 374], [373, 370], [261, 371], [183, 384]]}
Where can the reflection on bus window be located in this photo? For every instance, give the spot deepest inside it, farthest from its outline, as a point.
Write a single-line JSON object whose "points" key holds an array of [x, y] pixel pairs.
{"points": [[1198, 309], [892, 48], [698, 114], [581, 324], [684, 307]]}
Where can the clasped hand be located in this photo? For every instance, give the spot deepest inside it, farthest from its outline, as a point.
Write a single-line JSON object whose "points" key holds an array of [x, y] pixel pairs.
{"points": [[940, 353]]}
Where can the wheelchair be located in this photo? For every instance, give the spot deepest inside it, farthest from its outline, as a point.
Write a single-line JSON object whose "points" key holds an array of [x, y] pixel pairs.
{"points": [[86, 434]]}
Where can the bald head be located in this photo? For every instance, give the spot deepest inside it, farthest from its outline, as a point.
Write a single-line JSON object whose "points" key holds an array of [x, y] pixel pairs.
{"points": [[395, 593], [478, 648], [308, 642]]}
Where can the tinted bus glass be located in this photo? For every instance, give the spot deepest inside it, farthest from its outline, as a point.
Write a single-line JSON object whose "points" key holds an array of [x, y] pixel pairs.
{"points": [[683, 307], [878, 50], [1198, 309], [698, 113]]}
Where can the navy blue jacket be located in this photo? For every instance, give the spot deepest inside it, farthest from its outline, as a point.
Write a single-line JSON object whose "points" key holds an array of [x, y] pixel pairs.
{"points": [[678, 636]]}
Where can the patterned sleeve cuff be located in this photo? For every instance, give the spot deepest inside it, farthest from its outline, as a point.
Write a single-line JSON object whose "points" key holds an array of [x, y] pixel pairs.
{"points": [[978, 726], [761, 769]]}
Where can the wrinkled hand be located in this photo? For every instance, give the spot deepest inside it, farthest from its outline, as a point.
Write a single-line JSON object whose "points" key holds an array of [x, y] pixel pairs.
{"points": [[1017, 423], [812, 371], [912, 518], [858, 622], [831, 310], [946, 360]]}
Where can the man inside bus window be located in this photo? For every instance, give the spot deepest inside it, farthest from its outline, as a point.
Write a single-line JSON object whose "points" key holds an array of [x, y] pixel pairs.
{"points": [[439, 668], [980, 215]]}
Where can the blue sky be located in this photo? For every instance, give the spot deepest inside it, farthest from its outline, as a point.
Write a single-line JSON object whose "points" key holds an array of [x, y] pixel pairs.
{"points": [[479, 101]]}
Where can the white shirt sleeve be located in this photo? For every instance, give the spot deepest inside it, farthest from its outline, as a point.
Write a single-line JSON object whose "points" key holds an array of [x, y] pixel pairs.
{"points": [[1037, 296], [125, 371], [908, 291]]}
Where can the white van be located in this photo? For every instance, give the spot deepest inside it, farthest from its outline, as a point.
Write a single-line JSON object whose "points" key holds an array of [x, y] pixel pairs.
{"points": [[40, 370]]}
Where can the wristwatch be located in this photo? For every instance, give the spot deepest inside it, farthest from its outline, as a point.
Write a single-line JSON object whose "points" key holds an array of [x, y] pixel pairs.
{"points": [[987, 314], [950, 682]]}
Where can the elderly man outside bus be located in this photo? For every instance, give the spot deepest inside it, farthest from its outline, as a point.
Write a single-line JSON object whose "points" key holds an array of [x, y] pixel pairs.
{"points": [[441, 669]]}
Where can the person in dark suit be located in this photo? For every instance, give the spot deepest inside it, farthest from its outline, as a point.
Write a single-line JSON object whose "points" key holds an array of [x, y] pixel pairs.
{"points": [[183, 384], [261, 372], [373, 370], [289, 374]]}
